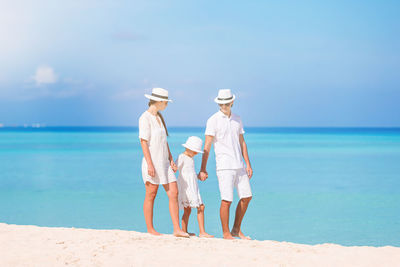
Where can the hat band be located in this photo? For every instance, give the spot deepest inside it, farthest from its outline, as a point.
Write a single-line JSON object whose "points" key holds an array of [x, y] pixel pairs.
{"points": [[160, 96], [229, 98]]}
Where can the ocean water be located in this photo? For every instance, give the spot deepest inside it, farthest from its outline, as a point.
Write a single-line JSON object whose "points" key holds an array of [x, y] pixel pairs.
{"points": [[309, 186]]}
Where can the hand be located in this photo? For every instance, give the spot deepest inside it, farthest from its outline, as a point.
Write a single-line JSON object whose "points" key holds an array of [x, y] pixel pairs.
{"points": [[249, 171], [203, 175], [151, 171], [173, 166]]}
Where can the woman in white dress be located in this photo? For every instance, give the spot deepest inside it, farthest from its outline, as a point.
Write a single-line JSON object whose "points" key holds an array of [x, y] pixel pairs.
{"points": [[158, 166]]}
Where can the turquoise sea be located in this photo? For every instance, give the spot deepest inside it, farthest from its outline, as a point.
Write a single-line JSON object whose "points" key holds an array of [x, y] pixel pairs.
{"points": [[310, 185]]}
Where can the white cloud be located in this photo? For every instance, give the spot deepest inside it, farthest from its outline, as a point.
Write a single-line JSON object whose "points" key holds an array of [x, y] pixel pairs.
{"points": [[45, 75]]}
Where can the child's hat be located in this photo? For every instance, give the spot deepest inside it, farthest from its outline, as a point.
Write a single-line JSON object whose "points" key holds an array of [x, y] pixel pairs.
{"points": [[194, 143]]}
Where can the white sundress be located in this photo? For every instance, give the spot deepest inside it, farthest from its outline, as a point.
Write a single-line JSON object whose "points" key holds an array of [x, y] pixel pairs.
{"points": [[151, 130], [188, 189]]}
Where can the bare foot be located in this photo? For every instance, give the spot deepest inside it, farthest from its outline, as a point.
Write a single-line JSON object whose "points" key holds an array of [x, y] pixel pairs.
{"points": [[205, 235], [192, 234], [154, 232], [240, 234], [181, 233], [228, 236]]}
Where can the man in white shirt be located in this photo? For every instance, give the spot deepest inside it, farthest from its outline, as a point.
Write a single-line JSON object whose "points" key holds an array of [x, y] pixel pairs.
{"points": [[225, 130]]}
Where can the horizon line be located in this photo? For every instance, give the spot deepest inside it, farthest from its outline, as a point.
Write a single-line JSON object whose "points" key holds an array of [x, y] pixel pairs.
{"points": [[35, 126]]}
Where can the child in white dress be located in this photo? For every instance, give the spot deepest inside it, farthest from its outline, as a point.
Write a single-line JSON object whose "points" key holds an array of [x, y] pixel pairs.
{"points": [[188, 190]]}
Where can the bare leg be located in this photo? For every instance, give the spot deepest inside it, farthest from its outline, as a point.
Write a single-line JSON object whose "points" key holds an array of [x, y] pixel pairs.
{"points": [[200, 219], [224, 214], [240, 211], [172, 192], [151, 192], [185, 218]]}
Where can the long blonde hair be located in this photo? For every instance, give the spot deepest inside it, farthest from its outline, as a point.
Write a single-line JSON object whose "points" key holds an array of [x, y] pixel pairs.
{"points": [[151, 102]]}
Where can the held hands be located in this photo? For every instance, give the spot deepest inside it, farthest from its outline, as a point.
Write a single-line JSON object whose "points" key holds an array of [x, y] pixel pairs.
{"points": [[173, 166], [249, 171], [202, 176], [152, 172]]}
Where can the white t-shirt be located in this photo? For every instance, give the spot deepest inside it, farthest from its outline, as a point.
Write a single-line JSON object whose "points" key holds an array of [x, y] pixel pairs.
{"points": [[226, 131], [154, 133]]}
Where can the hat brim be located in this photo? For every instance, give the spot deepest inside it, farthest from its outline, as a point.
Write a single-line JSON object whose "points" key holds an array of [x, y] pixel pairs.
{"points": [[195, 150], [224, 101], [157, 98]]}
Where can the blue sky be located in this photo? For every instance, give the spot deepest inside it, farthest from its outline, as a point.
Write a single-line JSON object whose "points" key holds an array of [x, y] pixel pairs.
{"points": [[290, 63]]}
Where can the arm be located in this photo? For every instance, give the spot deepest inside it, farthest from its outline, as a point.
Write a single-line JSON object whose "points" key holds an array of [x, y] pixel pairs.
{"points": [[245, 155], [171, 160], [207, 147], [146, 152]]}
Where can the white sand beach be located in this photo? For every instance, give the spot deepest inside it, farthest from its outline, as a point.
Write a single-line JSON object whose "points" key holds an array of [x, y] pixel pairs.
{"points": [[45, 246]]}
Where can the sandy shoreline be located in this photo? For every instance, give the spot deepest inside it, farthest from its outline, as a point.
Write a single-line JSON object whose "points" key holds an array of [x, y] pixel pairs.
{"points": [[44, 246]]}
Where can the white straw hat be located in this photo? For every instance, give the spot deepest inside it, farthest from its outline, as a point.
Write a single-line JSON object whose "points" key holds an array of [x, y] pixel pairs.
{"points": [[194, 143], [158, 94], [224, 96]]}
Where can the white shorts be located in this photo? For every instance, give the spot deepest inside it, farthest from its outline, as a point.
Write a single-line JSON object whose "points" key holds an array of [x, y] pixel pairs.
{"points": [[228, 179]]}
